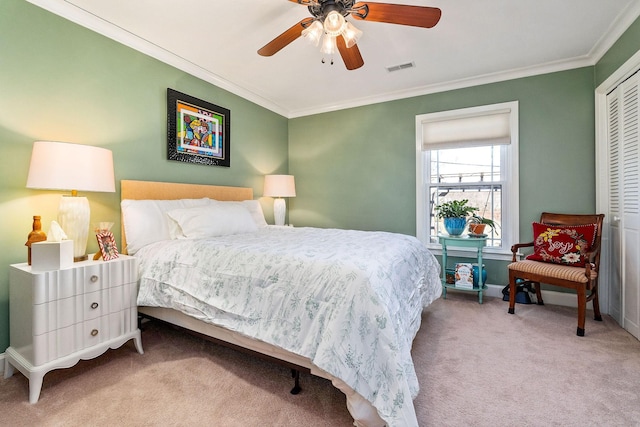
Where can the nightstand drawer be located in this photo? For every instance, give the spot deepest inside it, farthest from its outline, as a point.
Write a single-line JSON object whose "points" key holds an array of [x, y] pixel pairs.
{"points": [[64, 341], [84, 277], [69, 311]]}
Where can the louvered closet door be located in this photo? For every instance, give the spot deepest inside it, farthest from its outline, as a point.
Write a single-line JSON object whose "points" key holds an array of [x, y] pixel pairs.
{"points": [[615, 237], [624, 202]]}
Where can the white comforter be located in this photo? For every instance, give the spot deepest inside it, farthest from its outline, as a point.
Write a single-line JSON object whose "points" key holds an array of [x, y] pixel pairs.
{"points": [[350, 301]]}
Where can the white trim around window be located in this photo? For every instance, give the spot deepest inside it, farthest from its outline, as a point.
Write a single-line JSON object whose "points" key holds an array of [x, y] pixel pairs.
{"points": [[510, 175]]}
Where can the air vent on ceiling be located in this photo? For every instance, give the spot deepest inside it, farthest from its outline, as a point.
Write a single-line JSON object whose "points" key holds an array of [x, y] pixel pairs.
{"points": [[401, 67]]}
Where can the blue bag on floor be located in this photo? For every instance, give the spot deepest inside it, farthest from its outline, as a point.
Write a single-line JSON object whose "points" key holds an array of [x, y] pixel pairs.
{"points": [[522, 292]]}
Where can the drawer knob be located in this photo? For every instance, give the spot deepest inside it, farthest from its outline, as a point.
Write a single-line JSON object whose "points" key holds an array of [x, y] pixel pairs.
{"points": [[94, 305], [94, 279], [94, 332]]}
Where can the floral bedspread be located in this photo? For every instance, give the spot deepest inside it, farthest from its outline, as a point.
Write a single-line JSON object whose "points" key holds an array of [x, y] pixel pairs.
{"points": [[350, 301]]}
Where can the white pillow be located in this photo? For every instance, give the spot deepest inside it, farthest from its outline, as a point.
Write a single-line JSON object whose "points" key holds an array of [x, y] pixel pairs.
{"points": [[215, 219], [146, 222], [256, 212], [254, 207]]}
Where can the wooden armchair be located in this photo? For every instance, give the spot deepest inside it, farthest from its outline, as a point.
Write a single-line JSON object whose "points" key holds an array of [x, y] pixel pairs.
{"points": [[552, 271]]}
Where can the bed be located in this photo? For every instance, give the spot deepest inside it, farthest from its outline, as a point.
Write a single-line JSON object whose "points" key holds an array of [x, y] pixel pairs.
{"points": [[344, 305]]}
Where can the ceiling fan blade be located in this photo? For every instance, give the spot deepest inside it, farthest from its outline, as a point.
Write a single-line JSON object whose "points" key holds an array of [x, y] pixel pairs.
{"points": [[350, 55], [415, 16], [285, 38]]}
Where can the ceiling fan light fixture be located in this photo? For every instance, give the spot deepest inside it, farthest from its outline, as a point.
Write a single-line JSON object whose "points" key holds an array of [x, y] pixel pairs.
{"points": [[351, 34], [329, 46], [334, 23], [313, 33]]}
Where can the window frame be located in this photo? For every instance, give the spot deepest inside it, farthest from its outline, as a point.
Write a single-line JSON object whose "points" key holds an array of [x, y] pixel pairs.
{"points": [[509, 177]]}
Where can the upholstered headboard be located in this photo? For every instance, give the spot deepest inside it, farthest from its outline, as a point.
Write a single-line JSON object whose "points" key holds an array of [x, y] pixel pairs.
{"points": [[150, 190]]}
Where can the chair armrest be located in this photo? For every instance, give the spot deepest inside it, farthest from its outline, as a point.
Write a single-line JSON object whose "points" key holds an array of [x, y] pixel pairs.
{"points": [[592, 257], [514, 249]]}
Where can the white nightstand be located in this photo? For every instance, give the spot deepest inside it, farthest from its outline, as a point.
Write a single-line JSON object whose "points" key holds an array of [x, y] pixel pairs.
{"points": [[61, 316]]}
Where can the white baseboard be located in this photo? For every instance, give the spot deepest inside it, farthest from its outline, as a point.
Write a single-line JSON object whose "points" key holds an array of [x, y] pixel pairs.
{"points": [[567, 299], [2, 363]]}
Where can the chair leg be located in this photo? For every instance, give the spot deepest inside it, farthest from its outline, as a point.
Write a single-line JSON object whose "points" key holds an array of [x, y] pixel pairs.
{"points": [[582, 307], [512, 292], [596, 306], [538, 287]]}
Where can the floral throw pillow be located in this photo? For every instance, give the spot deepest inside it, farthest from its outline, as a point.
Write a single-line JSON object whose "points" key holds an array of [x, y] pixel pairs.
{"points": [[566, 245]]}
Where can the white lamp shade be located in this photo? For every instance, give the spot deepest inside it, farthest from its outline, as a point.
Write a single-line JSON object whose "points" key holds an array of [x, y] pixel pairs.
{"points": [[64, 166], [334, 23], [351, 35], [329, 45], [313, 32], [279, 186]]}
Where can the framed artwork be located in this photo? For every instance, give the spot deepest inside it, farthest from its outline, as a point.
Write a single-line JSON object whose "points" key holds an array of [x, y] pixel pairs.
{"points": [[197, 131], [107, 244]]}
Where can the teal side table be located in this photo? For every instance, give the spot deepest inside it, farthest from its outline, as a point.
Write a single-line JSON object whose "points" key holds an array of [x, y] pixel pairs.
{"points": [[465, 242]]}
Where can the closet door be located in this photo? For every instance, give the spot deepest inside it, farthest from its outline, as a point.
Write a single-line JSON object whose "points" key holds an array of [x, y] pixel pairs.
{"points": [[615, 233], [624, 173]]}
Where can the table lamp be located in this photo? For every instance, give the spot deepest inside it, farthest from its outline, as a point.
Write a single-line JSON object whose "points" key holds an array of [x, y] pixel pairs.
{"points": [[279, 186], [72, 167]]}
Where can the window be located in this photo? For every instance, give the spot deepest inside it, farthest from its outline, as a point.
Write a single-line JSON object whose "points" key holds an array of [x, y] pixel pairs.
{"points": [[471, 154]]}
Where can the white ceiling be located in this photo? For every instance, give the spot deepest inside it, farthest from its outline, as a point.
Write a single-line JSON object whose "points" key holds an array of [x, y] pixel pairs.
{"points": [[475, 42]]}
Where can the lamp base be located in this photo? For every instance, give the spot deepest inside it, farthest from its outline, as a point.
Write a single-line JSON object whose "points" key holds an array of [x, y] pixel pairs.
{"points": [[80, 258], [279, 210], [73, 216]]}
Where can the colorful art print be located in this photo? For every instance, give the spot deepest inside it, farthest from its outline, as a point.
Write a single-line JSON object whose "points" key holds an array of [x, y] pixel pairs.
{"points": [[107, 244], [197, 131]]}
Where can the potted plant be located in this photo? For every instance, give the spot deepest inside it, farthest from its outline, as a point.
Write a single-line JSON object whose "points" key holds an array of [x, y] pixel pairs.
{"points": [[477, 225], [455, 215]]}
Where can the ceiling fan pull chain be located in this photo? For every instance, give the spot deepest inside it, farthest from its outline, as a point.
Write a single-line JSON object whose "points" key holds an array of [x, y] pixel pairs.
{"points": [[330, 62]]}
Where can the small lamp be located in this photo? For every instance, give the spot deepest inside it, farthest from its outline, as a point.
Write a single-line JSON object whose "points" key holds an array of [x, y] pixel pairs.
{"points": [[279, 186], [74, 167]]}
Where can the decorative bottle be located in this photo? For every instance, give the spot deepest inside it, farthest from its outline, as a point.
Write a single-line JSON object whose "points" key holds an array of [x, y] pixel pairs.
{"points": [[36, 235]]}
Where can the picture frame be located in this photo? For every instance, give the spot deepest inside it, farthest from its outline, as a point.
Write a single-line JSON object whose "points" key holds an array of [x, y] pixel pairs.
{"points": [[107, 244], [197, 131]]}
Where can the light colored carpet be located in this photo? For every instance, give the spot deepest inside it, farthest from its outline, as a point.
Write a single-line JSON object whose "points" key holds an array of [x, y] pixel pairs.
{"points": [[477, 366]]}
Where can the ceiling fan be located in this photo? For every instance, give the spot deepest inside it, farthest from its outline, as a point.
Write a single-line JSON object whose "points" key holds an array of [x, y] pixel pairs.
{"points": [[329, 23]]}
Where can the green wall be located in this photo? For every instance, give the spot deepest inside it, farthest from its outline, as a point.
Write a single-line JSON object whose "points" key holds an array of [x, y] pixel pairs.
{"points": [[356, 168], [62, 82]]}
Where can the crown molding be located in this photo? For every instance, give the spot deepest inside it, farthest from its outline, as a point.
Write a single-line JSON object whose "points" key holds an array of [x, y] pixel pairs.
{"points": [[451, 85], [81, 17], [617, 28]]}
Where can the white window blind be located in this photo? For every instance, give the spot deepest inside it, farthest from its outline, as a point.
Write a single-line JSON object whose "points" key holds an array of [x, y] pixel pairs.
{"points": [[473, 130]]}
